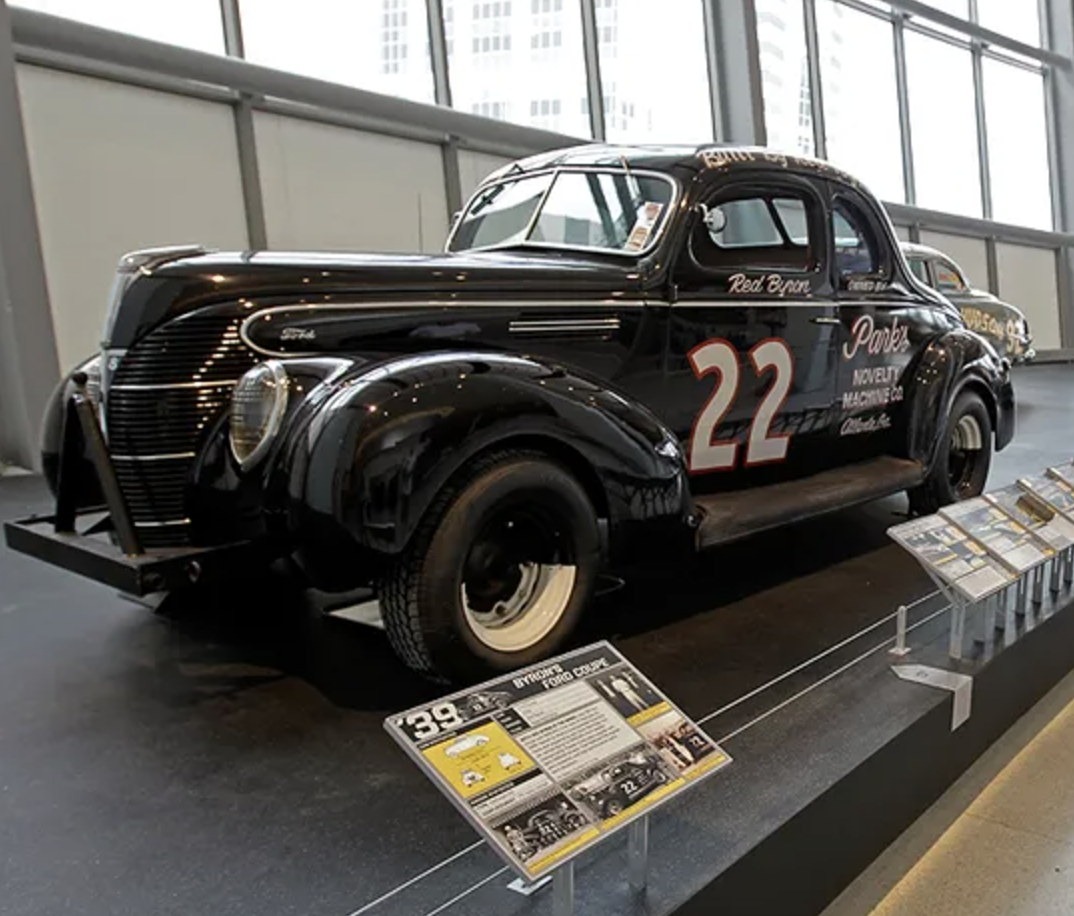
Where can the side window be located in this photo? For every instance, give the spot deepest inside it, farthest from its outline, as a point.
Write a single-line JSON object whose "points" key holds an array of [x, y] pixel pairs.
{"points": [[857, 251], [948, 277], [919, 269], [770, 231]]}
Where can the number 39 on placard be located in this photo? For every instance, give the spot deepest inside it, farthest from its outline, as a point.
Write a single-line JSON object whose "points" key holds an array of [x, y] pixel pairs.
{"points": [[720, 357], [426, 724]]}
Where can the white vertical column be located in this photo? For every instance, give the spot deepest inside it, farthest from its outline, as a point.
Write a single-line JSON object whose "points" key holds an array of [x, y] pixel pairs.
{"points": [[29, 365]]}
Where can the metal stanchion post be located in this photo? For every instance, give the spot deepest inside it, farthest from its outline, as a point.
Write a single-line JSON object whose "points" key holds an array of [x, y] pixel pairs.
{"points": [[958, 624], [563, 890], [1038, 585], [638, 854], [989, 606], [1068, 571], [900, 648], [1053, 579]]}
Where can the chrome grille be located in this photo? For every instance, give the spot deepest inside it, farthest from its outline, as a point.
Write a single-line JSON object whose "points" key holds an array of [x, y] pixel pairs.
{"points": [[166, 394]]}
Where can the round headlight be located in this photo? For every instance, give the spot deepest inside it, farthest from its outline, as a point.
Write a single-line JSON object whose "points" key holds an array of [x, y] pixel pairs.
{"points": [[258, 404]]}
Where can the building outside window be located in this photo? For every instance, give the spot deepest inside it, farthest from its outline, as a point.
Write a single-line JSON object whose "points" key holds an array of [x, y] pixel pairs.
{"points": [[379, 45], [507, 55], [194, 24], [646, 99], [788, 113]]}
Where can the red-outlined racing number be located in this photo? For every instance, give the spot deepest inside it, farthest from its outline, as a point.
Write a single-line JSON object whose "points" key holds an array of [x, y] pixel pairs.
{"points": [[721, 357], [763, 448]]}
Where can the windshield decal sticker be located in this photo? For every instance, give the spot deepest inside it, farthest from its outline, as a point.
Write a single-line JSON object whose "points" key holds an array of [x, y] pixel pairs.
{"points": [[648, 214]]}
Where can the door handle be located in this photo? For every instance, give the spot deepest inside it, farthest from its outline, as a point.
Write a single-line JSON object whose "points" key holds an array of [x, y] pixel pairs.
{"points": [[824, 319]]}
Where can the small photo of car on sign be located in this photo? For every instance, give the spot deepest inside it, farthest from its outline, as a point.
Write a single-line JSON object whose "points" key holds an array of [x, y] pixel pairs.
{"points": [[475, 761]]}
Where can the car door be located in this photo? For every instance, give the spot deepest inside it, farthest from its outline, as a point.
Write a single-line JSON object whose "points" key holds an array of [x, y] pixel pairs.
{"points": [[883, 326], [751, 354]]}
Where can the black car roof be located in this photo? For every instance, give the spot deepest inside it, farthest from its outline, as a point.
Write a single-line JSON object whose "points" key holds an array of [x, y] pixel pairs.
{"points": [[673, 159]]}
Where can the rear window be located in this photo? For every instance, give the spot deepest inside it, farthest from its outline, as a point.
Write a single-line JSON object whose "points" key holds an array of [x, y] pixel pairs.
{"points": [[948, 277]]}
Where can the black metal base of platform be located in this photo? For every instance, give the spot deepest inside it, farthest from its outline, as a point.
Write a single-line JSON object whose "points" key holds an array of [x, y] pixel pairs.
{"points": [[834, 832]]}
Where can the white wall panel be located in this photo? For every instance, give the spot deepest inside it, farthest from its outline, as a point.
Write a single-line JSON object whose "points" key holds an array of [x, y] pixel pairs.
{"points": [[902, 232], [333, 188], [970, 254], [474, 167], [117, 168], [1027, 279]]}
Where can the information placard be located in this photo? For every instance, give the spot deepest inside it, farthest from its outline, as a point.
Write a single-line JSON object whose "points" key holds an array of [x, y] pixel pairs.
{"points": [[953, 555], [1004, 538], [1051, 491], [1036, 515], [551, 759]]}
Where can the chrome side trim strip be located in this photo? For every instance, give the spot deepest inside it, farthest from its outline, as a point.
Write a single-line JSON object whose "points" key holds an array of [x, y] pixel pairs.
{"points": [[164, 386], [441, 305], [175, 456], [569, 324], [167, 524]]}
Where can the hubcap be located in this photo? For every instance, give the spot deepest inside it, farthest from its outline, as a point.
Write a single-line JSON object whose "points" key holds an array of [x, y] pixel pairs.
{"points": [[517, 581], [967, 443]]}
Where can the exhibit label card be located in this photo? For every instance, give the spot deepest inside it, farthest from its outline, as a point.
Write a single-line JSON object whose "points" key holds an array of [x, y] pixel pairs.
{"points": [[1036, 515], [1052, 491], [953, 555], [1003, 537], [550, 759]]}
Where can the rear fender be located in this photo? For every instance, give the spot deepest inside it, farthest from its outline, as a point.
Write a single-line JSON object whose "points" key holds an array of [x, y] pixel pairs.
{"points": [[952, 363], [369, 459]]}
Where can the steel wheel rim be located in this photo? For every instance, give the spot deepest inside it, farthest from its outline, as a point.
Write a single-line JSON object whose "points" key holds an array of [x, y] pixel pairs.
{"points": [[967, 444], [517, 580]]}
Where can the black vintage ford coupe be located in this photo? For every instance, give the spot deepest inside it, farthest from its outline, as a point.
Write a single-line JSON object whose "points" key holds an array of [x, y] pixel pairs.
{"points": [[623, 351]]}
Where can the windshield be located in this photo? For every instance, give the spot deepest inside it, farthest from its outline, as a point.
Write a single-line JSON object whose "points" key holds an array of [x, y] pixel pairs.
{"points": [[610, 211]]}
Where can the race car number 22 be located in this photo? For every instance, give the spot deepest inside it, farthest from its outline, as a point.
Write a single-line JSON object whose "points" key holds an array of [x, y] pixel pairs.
{"points": [[721, 357]]}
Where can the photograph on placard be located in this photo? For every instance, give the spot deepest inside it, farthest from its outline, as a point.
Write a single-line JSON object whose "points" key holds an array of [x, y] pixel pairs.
{"points": [[622, 782], [625, 690]]}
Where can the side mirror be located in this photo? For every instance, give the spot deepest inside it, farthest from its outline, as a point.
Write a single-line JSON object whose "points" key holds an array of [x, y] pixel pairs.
{"points": [[714, 218]]}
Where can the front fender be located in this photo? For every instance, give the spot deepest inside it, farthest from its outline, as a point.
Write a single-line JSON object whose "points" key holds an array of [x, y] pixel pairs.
{"points": [[956, 360], [371, 457]]}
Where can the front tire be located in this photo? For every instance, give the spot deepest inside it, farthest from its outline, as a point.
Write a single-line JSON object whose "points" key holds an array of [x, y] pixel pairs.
{"points": [[499, 572], [961, 467]]}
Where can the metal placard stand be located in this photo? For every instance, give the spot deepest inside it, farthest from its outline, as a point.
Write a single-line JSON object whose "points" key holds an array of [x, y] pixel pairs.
{"points": [[637, 869]]}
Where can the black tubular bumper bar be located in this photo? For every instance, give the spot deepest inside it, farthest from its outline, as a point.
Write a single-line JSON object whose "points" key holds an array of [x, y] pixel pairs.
{"points": [[124, 565], [140, 574]]}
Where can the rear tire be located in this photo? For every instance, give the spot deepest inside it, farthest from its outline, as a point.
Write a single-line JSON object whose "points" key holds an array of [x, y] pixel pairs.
{"points": [[961, 467], [498, 573]]}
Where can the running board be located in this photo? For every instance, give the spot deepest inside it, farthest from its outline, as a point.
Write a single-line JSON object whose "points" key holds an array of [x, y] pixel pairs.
{"points": [[730, 516]]}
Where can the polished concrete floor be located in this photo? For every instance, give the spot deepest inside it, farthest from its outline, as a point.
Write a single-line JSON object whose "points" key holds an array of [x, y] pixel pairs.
{"points": [[235, 763]]}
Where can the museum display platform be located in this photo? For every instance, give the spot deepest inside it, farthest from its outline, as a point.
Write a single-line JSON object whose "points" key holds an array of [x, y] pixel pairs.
{"points": [[234, 760]]}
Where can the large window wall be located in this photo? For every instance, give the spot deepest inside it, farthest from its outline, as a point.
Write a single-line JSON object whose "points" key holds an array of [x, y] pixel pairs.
{"points": [[943, 108], [522, 61]]}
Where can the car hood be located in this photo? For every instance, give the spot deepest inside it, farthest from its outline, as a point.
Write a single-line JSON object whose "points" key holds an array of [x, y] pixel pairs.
{"points": [[266, 279]]}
